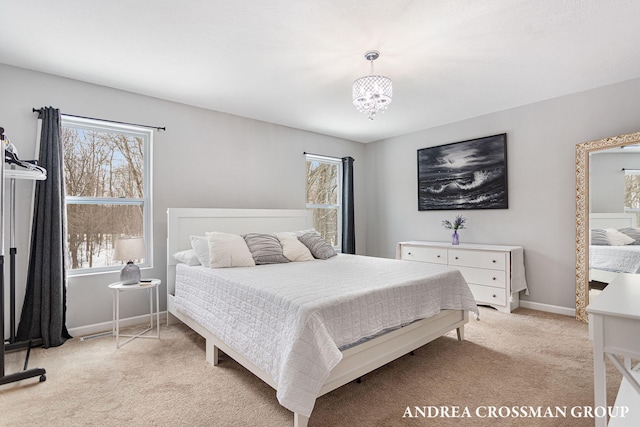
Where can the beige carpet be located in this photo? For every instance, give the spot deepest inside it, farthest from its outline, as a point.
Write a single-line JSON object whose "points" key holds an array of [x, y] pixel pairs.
{"points": [[527, 358]]}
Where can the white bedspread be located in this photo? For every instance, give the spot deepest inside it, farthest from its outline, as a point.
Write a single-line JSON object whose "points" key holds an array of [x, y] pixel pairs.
{"points": [[625, 259], [290, 319]]}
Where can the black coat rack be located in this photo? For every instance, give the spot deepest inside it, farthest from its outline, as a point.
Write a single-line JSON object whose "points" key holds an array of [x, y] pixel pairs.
{"points": [[12, 344]]}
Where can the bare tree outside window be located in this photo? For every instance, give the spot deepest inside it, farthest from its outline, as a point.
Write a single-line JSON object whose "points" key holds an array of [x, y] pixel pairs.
{"points": [[632, 192], [105, 190], [323, 196]]}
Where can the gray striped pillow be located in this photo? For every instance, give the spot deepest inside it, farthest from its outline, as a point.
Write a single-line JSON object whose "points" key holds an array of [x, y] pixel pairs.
{"points": [[599, 237], [318, 247], [265, 248], [634, 233]]}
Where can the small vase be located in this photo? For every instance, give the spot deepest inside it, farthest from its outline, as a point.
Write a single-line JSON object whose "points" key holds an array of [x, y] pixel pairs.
{"points": [[454, 238]]}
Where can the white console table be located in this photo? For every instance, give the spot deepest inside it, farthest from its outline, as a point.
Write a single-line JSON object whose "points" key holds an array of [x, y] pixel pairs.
{"points": [[614, 324]]}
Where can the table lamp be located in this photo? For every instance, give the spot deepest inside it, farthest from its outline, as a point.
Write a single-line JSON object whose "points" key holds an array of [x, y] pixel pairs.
{"points": [[127, 249]]}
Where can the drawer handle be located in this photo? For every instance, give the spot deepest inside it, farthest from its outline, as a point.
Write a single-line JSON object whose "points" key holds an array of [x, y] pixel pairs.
{"points": [[494, 278], [437, 256], [494, 295], [494, 261], [456, 257], [408, 253]]}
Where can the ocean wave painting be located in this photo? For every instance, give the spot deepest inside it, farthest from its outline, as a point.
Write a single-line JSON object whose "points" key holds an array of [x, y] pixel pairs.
{"points": [[464, 175]]}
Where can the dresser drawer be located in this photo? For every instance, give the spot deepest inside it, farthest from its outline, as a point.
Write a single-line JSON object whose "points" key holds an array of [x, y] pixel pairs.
{"points": [[488, 295], [424, 254], [486, 268], [480, 259], [481, 276]]}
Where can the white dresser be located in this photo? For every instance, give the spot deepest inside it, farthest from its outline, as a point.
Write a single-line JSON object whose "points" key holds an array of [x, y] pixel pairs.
{"points": [[494, 273]]}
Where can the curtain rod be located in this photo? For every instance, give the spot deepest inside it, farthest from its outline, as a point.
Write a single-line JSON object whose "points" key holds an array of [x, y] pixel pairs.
{"points": [[322, 155], [37, 110]]}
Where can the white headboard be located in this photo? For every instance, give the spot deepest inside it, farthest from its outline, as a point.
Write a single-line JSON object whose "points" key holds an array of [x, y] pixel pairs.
{"points": [[185, 222], [612, 220]]}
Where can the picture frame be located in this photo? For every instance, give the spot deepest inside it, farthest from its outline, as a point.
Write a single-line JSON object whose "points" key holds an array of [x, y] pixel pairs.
{"points": [[469, 174]]}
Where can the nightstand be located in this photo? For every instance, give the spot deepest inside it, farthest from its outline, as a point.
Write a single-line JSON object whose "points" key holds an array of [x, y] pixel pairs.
{"points": [[150, 286]]}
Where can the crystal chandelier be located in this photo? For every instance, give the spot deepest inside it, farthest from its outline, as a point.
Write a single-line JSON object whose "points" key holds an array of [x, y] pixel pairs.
{"points": [[372, 93]]}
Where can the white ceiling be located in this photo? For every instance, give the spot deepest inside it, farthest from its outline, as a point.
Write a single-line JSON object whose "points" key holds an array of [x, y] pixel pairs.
{"points": [[292, 62]]}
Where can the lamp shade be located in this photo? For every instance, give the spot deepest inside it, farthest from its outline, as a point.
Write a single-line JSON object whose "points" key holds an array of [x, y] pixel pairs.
{"points": [[129, 248]]}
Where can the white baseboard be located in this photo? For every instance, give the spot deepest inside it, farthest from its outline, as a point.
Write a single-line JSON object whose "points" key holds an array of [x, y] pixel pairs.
{"points": [[548, 308], [98, 328]]}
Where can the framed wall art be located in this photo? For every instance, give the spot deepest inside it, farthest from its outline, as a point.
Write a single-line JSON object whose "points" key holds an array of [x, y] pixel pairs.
{"points": [[464, 175]]}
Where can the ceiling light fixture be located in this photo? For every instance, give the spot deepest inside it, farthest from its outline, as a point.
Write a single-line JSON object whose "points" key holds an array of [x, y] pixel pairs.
{"points": [[372, 93]]}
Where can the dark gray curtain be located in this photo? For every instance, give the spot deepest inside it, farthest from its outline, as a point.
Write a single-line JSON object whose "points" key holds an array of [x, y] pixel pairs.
{"points": [[44, 309], [348, 222]]}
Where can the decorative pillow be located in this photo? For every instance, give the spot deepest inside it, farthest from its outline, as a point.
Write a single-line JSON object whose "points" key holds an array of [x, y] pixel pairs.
{"points": [[292, 248], [617, 238], [634, 233], [200, 245], [265, 248], [228, 250], [599, 237], [318, 247], [187, 256]]}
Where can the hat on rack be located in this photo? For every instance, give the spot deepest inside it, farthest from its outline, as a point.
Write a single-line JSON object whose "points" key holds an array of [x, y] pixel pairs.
{"points": [[129, 249]]}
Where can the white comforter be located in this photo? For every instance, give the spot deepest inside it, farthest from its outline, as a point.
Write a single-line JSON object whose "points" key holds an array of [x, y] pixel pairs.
{"points": [[290, 319], [625, 259]]}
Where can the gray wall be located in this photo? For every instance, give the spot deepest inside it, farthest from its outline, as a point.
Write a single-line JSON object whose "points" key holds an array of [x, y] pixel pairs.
{"points": [[541, 141], [204, 159], [606, 179]]}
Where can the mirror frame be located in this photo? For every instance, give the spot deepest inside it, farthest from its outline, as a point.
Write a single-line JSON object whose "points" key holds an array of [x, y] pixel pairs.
{"points": [[582, 213]]}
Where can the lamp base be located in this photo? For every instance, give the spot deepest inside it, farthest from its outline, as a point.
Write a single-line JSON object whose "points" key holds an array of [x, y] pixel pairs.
{"points": [[130, 274]]}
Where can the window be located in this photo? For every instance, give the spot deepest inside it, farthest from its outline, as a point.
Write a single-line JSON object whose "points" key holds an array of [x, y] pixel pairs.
{"points": [[107, 171], [632, 192], [324, 198]]}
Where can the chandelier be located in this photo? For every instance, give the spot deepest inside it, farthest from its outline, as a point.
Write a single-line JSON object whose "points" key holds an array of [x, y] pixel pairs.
{"points": [[372, 93]]}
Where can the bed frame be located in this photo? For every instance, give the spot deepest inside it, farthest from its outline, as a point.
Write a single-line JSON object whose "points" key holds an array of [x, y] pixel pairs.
{"points": [[356, 361], [608, 220]]}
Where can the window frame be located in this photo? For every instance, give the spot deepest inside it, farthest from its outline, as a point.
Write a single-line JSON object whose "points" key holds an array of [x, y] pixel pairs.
{"points": [[145, 201], [338, 206]]}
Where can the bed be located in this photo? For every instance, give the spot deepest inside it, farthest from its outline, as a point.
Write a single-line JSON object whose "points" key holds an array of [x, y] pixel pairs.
{"points": [[606, 260], [328, 338]]}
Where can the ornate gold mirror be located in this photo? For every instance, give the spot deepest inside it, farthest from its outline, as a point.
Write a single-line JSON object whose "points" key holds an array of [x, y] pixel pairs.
{"points": [[583, 151]]}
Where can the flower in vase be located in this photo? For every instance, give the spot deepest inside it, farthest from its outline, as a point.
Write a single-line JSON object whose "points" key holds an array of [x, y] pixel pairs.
{"points": [[457, 224]]}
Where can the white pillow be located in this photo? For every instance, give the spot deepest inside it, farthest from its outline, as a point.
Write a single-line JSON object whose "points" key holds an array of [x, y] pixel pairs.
{"points": [[228, 250], [617, 238], [187, 256], [200, 245], [292, 248]]}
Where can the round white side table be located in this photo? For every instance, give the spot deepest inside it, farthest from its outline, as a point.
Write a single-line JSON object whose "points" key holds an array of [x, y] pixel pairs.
{"points": [[146, 284]]}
